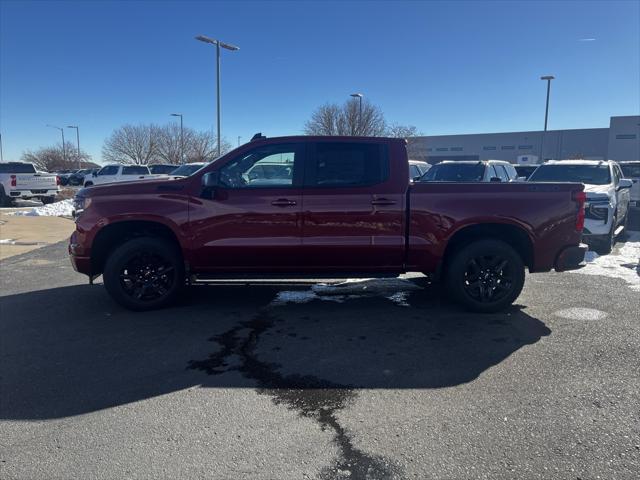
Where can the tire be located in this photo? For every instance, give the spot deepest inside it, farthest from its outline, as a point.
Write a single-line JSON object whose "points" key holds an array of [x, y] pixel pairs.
{"points": [[604, 246], [144, 273], [5, 200], [88, 184], [485, 276], [47, 200]]}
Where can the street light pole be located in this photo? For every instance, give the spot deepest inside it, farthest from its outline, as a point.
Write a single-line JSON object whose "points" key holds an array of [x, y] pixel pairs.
{"points": [[359, 97], [181, 137], [64, 150], [239, 137], [548, 78], [1, 155], [218, 44], [78, 140]]}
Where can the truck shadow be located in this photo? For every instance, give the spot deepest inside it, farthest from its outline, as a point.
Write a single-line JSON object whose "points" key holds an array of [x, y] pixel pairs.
{"points": [[70, 350]]}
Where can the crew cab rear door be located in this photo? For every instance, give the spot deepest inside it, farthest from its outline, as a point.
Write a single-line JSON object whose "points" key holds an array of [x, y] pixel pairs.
{"points": [[353, 205], [253, 222]]}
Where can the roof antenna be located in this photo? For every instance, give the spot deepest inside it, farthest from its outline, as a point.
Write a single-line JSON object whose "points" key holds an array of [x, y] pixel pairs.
{"points": [[257, 136]]}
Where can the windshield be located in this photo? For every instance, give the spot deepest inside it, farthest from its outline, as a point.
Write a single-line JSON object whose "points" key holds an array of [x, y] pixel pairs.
{"points": [[589, 174], [631, 170], [186, 170], [454, 172]]}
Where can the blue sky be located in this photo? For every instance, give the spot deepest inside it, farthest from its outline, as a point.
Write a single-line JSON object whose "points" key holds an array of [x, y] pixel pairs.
{"points": [[450, 67]]}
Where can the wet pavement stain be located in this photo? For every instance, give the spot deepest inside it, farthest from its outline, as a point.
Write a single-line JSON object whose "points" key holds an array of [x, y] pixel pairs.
{"points": [[310, 396]]}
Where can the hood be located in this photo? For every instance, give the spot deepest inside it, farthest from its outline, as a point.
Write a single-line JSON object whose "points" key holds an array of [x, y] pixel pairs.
{"points": [[130, 188], [598, 190]]}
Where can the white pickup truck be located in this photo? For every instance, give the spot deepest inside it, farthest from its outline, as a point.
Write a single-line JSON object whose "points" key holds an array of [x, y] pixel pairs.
{"points": [[119, 173], [21, 180]]}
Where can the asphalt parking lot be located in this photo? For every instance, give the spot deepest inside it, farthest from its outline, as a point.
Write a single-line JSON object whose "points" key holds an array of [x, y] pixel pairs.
{"points": [[378, 382]]}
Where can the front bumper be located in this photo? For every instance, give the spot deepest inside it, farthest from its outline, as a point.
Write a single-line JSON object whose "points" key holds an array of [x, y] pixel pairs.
{"points": [[571, 258]]}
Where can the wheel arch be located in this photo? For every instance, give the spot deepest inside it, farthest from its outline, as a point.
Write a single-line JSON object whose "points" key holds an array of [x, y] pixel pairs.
{"points": [[514, 235], [117, 233]]}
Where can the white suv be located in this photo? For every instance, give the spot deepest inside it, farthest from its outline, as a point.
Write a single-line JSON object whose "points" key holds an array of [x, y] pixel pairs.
{"points": [[120, 173], [471, 171], [607, 207]]}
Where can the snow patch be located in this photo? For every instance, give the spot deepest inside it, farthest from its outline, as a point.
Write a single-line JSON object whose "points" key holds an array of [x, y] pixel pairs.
{"points": [[394, 289], [63, 208], [623, 263], [7, 241]]}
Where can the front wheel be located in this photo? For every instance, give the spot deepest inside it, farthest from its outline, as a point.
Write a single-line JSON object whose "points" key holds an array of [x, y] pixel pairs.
{"points": [[485, 276], [144, 273], [87, 184]]}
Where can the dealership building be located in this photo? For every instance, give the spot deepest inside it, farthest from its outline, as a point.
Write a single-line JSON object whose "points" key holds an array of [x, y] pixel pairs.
{"points": [[621, 141]]}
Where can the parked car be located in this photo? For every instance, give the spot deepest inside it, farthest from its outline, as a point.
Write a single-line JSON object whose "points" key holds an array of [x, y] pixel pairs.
{"points": [[77, 178], [187, 169], [631, 170], [525, 171], [119, 173], [162, 169], [417, 168], [607, 207], [64, 175], [345, 206], [471, 171], [21, 180]]}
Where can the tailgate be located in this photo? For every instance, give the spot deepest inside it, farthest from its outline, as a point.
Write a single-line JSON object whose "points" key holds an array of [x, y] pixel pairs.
{"points": [[32, 181]]}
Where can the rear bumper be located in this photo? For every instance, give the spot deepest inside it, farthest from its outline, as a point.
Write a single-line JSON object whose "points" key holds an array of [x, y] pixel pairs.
{"points": [[571, 258], [44, 192]]}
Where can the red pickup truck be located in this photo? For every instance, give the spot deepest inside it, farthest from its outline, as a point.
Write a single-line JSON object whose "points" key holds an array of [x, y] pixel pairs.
{"points": [[327, 207]]}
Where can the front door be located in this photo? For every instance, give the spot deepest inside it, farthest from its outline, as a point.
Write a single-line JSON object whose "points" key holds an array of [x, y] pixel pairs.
{"points": [[253, 221]]}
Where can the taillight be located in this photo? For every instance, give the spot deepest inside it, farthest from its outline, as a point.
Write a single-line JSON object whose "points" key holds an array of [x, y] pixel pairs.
{"points": [[57, 180], [14, 181], [580, 198]]}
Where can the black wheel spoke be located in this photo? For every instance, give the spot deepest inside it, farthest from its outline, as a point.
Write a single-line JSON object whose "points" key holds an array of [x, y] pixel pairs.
{"points": [[488, 278], [147, 276]]}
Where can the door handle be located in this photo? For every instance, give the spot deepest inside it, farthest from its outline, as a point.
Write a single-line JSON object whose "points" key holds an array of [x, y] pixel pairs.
{"points": [[383, 201], [283, 202]]}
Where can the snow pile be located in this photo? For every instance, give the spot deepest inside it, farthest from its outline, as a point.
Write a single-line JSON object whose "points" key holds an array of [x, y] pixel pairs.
{"points": [[623, 262], [394, 289], [62, 208], [7, 241]]}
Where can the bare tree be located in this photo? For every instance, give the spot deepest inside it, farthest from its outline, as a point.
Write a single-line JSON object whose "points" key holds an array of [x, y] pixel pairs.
{"points": [[52, 158], [169, 145], [132, 145], [332, 119], [409, 132], [203, 147]]}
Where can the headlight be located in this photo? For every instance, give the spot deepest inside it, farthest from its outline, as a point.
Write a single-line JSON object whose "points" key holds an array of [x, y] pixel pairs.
{"points": [[80, 204]]}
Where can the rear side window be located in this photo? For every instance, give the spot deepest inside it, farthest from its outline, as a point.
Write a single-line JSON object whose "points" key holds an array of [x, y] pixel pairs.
{"points": [[135, 170], [344, 164], [109, 170], [17, 168], [502, 173]]}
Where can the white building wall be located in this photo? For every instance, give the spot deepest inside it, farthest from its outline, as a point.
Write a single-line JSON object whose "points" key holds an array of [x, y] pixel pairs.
{"points": [[624, 138]]}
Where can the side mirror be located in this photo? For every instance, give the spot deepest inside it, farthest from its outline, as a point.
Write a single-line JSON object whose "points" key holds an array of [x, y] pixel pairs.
{"points": [[210, 181], [495, 179], [625, 183]]}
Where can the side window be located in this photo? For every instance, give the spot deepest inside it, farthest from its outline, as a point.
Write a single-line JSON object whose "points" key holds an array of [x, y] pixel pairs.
{"points": [[511, 171], [492, 172], [616, 175], [266, 166], [109, 170], [348, 164], [415, 171], [502, 173]]}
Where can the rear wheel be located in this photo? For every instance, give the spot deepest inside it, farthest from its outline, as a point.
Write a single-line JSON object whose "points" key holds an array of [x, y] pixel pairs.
{"points": [[485, 276], [47, 200], [88, 184], [144, 273]]}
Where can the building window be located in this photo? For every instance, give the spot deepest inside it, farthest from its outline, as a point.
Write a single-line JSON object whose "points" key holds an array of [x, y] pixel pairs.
{"points": [[456, 149], [525, 147], [626, 136], [508, 147], [442, 149], [488, 148]]}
